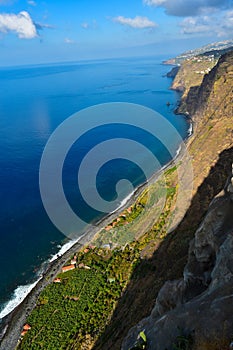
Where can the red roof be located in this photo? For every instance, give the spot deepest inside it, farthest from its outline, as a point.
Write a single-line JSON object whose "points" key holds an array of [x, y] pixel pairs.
{"points": [[57, 280], [68, 268], [91, 246], [26, 327]]}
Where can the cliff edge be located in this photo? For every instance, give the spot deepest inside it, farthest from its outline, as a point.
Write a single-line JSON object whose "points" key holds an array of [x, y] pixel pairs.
{"points": [[196, 311]]}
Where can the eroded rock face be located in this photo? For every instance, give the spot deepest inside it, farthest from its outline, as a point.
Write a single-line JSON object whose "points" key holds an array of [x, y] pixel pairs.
{"points": [[200, 304]]}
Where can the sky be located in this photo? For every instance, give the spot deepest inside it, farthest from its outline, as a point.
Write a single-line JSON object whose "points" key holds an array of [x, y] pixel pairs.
{"points": [[47, 31]]}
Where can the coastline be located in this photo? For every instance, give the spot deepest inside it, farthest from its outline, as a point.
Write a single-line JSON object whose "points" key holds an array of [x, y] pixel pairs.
{"points": [[11, 324]]}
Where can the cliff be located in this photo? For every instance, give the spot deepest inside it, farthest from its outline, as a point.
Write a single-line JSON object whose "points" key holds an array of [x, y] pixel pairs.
{"points": [[215, 90], [173, 73], [195, 311], [212, 112], [189, 79]]}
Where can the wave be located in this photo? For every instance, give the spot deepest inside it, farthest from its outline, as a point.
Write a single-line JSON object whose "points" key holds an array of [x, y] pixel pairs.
{"points": [[19, 295], [126, 199], [65, 248], [178, 152], [190, 130], [21, 292], [123, 202], [62, 250]]}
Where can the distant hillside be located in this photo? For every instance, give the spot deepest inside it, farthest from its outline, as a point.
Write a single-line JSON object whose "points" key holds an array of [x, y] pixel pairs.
{"points": [[192, 72], [189, 78], [215, 50]]}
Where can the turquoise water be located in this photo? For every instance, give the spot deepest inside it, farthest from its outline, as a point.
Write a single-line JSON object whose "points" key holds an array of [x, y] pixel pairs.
{"points": [[33, 102]]}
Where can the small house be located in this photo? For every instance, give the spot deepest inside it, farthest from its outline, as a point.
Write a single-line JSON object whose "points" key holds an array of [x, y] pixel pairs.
{"points": [[68, 268], [57, 280], [26, 327]]}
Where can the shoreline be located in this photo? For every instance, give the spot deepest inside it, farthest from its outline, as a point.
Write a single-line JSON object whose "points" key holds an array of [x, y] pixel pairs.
{"points": [[11, 325]]}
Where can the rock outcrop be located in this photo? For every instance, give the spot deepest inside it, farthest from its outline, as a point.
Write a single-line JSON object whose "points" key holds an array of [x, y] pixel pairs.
{"points": [[173, 72], [199, 96], [200, 305], [189, 78], [195, 80]]}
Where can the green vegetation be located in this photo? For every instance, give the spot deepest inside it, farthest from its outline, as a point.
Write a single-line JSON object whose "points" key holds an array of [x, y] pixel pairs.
{"points": [[182, 342], [141, 342], [81, 303], [171, 170], [132, 225], [74, 312]]}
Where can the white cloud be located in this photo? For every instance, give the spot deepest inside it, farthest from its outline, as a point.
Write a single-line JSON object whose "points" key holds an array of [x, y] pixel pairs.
{"points": [[31, 2], [228, 19], [136, 22], [226, 26], [85, 25], [192, 25], [41, 26], [154, 2], [184, 8], [21, 24], [6, 2], [69, 41], [221, 25], [92, 25]]}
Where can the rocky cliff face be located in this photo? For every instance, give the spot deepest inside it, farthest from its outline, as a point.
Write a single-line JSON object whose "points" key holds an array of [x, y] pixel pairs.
{"points": [[173, 72], [207, 95], [189, 78], [211, 109], [195, 79], [196, 311], [200, 305]]}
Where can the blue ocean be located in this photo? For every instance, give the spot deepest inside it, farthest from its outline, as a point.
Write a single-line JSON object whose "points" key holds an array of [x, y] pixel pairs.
{"points": [[34, 101]]}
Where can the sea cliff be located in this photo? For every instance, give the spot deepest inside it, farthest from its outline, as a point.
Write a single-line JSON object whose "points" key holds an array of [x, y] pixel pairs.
{"points": [[129, 284], [195, 310]]}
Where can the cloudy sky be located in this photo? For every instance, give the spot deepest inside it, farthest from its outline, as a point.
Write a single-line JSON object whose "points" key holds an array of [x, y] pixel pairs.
{"points": [[40, 31]]}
